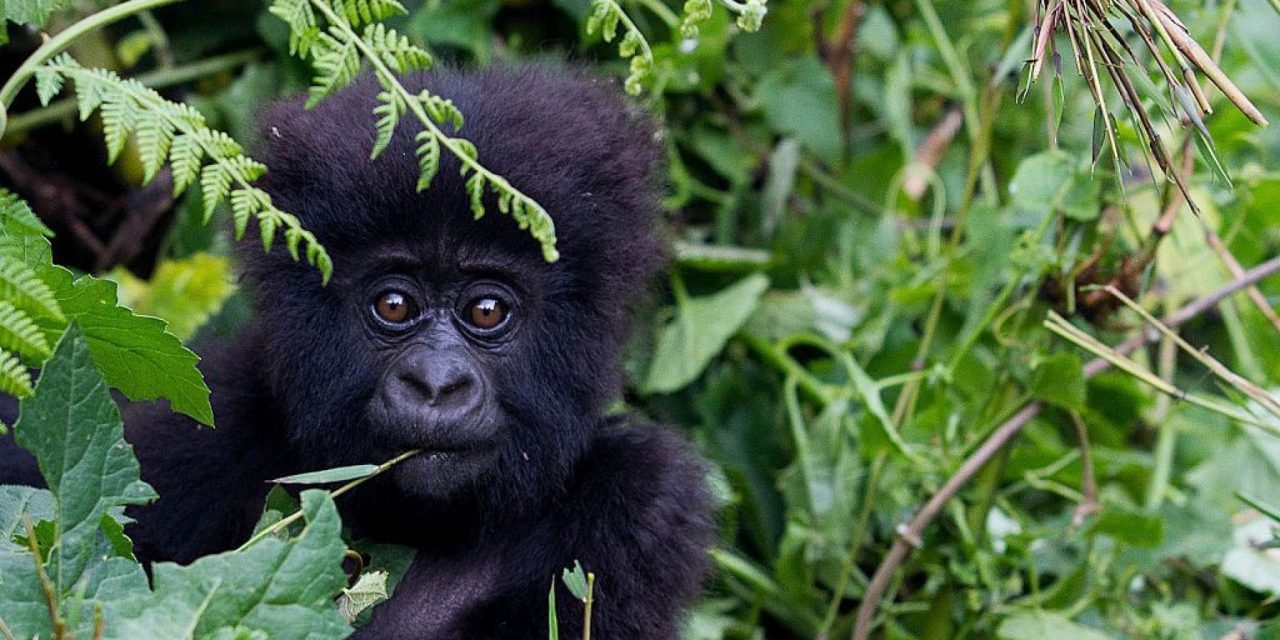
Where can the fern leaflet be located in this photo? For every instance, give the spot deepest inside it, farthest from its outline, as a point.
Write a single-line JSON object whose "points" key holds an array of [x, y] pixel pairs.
{"points": [[177, 132], [390, 54]]}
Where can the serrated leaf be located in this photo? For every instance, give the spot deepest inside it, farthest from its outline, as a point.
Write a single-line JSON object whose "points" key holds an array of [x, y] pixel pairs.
{"points": [[282, 588], [134, 352], [48, 84], [337, 62], [215, 185], [475, 189], [35, 12], [699, 331], [185, 155], [368, 591], [154, 135], [118, 120], [389, 110], [25, 290], [73, 428]]}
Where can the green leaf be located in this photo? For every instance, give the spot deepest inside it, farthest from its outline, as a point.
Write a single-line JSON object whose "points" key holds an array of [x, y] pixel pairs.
{"points": [[15, 501], [72, 427], [699, 331], [184, 292], [15, 380], [36, 12], [16, 217], [1131, 527], [18, 332], [25, 290], [1055, 180], [1059, 380], [134, 352], [337, 474], [576, 580], [1044, 625], [368, 591], [281, 588], [553, 621]]}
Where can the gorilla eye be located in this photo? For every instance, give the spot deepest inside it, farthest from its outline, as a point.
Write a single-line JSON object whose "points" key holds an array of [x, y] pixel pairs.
{"points": [[394, 307], [485, 313]]}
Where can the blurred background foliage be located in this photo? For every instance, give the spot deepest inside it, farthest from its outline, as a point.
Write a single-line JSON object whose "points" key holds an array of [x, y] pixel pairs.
{"points": [[869, 230]]}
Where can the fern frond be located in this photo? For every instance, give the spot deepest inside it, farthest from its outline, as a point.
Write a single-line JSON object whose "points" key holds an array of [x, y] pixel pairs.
{"points": [[155, 134], [337, 62], [48, 85], [118, 120], [19, 333], [245, 204], [25, 290], [16, 210], [605, 17], [303, 29], [428, 153], [176, 131], [441, 110], [390, 109], [475, 189], [400, 55], [185, 155], [362, 12], [389, 53], [15, 380], [215, 185], [750, 14]]}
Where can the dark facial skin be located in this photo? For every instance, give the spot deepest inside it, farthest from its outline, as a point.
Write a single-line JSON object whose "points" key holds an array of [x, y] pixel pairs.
{"points": [[437, 343]]}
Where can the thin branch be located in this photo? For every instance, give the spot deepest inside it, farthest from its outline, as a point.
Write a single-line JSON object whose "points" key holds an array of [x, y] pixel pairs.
{"points": [[913, 530]]}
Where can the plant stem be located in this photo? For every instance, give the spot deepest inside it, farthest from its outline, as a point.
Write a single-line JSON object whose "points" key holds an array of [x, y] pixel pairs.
{"points": [[297, 515], [586, 606], [63, 40], [1001, 437], [159, 78]]}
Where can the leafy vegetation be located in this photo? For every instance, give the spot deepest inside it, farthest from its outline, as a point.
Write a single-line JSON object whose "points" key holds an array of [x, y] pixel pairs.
{"points": [[959, 375]]}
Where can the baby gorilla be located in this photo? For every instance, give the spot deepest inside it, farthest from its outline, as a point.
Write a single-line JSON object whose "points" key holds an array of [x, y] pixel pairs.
{"points": [[453, 336]]}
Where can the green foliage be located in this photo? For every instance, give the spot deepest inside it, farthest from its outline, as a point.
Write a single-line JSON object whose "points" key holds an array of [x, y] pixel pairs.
{"points": [[36, 12], [605, 17], [177, 132], [337, 34], [84, 563], [699, 331], [38, 300]]}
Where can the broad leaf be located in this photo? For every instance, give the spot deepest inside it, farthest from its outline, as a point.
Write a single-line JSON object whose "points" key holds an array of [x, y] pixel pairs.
{"points": [[700, 330], [281, 588], [135, 353]]}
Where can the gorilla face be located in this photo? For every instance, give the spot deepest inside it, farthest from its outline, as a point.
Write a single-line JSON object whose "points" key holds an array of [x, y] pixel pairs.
{"points": [[440, 332], [437, 343]]}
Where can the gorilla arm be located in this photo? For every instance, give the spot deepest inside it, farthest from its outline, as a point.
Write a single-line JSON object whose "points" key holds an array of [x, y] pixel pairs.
{"points": [[635, 515]]}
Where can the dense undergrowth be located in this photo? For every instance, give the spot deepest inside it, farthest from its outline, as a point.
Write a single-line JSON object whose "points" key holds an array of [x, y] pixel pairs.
{"points": [[973, 356]]}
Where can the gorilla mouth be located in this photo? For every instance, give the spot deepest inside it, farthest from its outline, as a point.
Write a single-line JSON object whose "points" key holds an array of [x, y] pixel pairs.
{"points": [[440, 455]]}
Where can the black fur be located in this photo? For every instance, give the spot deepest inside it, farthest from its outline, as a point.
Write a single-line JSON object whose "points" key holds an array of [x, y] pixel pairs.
{"points": [[290, 392]]}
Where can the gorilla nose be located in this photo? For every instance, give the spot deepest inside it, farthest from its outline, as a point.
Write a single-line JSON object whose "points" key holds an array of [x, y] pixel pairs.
{"points": [[441, 383]]}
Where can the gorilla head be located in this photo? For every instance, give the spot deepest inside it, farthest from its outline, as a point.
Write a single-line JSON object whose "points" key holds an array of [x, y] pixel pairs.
{"points": [[441, 332]]}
